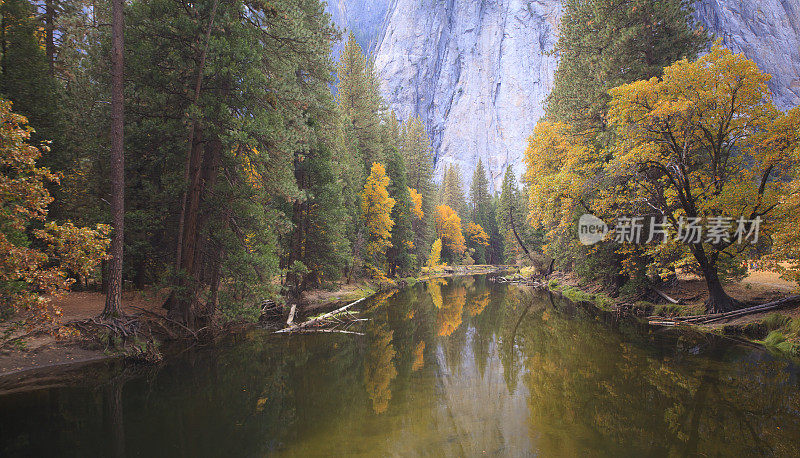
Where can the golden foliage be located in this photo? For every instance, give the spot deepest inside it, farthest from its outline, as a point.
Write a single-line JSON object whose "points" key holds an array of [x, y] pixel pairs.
{"points": [[450, 314], [558, 166], [435, 257], [706, 140], [416, 201], [448, 228], [376, 210], [476, 234], [379, 370]]}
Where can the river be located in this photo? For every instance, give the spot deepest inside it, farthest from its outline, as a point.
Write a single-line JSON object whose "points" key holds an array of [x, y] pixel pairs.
{"points": [[461, 366]]}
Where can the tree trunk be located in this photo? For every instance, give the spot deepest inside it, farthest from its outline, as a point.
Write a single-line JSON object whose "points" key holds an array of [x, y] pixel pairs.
{"points": [[204, 167], [718, 300], [113, 306], [49, 41]]}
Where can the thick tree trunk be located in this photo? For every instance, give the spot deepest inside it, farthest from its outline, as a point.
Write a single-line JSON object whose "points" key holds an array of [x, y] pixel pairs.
{"points": [[718, 300], [204, 167], [113, 306]]}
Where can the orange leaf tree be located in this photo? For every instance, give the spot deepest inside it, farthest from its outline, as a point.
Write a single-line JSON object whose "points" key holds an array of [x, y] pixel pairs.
{"points": [[705, 141], [38, 258]]}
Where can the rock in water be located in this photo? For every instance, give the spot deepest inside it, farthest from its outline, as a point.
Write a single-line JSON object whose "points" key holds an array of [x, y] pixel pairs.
{"points": [[478, 72]]}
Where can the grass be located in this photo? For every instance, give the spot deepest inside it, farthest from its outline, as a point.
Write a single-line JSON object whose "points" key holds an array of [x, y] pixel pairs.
{"points": [[670, 310], [574, 294], [784, 334]]}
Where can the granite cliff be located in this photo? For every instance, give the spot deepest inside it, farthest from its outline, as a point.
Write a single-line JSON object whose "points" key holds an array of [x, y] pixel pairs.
{"points": [[478, 72]]}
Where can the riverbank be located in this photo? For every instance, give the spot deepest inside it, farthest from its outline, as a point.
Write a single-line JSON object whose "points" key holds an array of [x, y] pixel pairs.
{"points": [[777, 330], [50, 350]]}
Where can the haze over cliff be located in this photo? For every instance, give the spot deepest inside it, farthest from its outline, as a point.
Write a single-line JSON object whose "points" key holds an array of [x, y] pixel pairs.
{"points": [[478, 72]]}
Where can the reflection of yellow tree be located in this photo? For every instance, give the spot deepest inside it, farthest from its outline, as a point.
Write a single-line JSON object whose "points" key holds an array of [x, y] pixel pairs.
{"points": [[449, 318], [419, 357], [435, 290], [379, 368], [478, 303]]}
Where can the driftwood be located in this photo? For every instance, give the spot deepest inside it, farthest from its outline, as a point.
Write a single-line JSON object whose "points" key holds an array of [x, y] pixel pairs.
{"points": [[293, 310], [664, 296], [711, 318], [304, 326]]}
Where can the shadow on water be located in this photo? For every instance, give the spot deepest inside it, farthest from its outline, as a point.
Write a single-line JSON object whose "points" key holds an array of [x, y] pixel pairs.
{"points": [[452, 366]]}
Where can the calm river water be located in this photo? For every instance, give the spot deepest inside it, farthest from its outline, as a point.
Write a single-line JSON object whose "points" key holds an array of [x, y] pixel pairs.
{"points": [[460, 367]]}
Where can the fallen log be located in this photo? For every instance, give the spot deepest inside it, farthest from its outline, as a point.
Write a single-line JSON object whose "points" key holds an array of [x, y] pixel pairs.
{"points": [[664, 296], [710, 318], [319, 319], [757, 309]]}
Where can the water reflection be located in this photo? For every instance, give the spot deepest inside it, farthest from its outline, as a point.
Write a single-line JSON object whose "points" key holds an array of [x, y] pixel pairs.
{"points": [[460, 366]]}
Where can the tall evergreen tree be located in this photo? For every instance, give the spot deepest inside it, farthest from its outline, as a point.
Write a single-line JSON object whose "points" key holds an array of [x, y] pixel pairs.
{"points": [[418, 157], [453, 190], [359, 99], [225, 111], [26, 80], [400, 257], [483, 213], [603, 44], [318, 238], [113, 305]]}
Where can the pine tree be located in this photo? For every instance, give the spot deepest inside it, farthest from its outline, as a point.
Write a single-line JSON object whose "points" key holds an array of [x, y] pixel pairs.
{"points": [[453, 190], [400, 257], [605, 43], [483, 213], [418, 157], [26, 80], [318, 238], [221, 117], [358, 96], [511, 211]]}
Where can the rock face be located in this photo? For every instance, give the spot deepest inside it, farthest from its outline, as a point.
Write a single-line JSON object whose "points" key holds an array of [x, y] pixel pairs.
{"points": [[478, 71], [766, 31], [365, 18]]}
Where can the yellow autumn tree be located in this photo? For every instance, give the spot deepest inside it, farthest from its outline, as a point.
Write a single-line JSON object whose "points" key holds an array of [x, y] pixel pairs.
{"points": [[416, 208], [450, 314], [448, 228], [435, 257], [376, 209], [705, 141], [476, 234], [558, 166]]}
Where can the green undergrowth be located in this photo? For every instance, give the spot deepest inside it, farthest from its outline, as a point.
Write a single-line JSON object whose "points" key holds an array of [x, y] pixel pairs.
{"points": [[601, 300], [783, 334]]}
